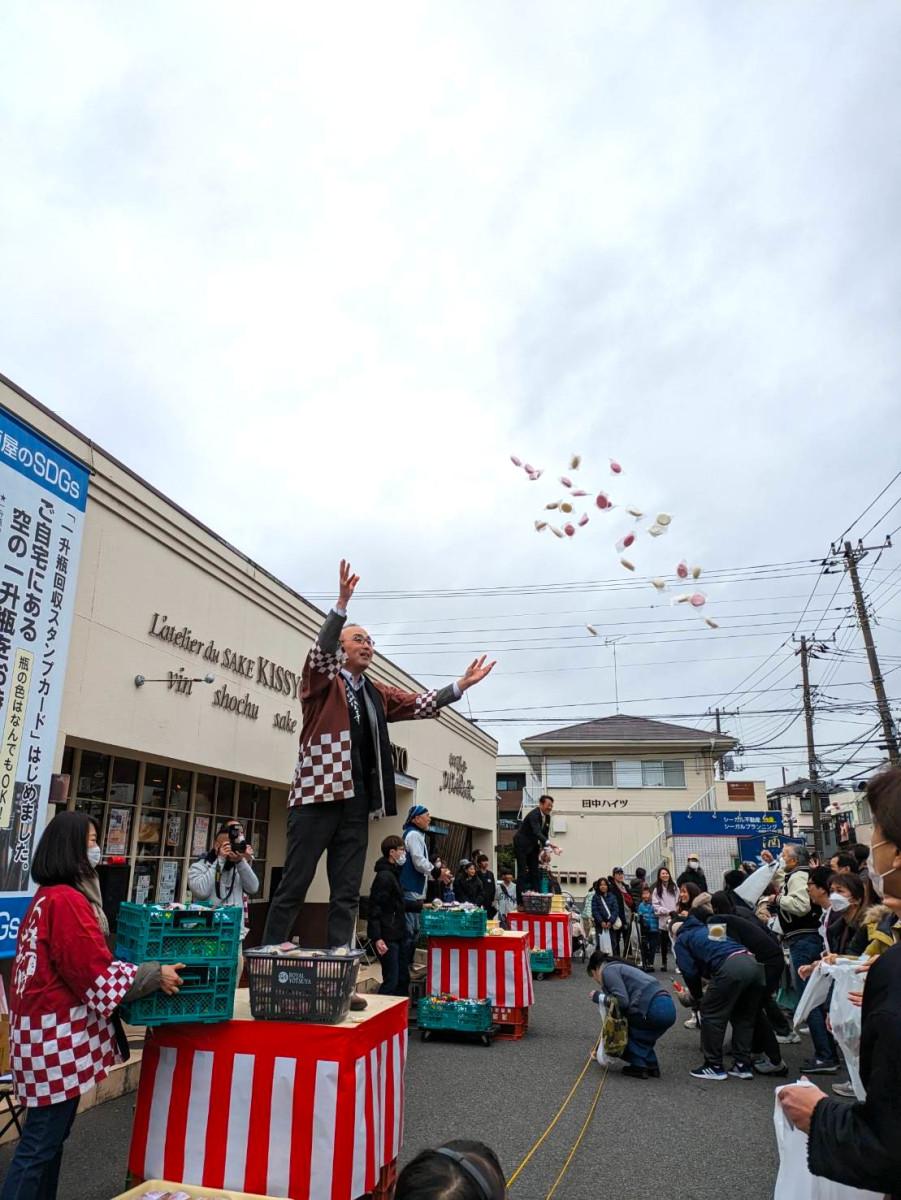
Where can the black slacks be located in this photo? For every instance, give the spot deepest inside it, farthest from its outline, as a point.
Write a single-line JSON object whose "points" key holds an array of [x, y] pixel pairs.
{"points": [[528, 875], [340, 830]]}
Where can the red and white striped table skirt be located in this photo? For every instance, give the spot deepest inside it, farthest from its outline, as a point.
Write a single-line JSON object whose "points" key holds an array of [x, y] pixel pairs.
{"points": [[277, 1108], [550, 931], [487, 968]]}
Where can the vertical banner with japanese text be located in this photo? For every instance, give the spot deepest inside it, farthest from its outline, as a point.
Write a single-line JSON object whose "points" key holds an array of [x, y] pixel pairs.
{"points": [[43, 495]]}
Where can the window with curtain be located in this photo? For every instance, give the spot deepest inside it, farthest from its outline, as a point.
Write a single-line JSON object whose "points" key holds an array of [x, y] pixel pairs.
{"points": [[592, 774]]}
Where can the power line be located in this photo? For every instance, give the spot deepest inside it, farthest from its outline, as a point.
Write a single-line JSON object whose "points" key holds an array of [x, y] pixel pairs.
{"points": [[874, 501]]}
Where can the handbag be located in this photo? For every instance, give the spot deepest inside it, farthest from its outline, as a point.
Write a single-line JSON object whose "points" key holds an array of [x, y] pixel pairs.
{"points": [[605, 942], [618, 924], [615, 1030]]}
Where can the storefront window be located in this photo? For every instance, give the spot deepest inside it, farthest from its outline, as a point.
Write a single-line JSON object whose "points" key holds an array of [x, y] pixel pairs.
{"points": [[156, 779], [205, 795], [226, 804], [180, 790], [93, 775], [150, 831], [125, 781]]}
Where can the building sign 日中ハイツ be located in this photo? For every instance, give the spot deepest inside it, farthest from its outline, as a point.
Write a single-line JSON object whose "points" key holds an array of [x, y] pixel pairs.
{"points": [[43, 496]]}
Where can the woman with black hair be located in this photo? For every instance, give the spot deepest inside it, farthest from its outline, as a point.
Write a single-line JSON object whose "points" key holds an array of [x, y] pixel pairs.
{"points": [[65, 1035], [458, 1170], [647, 1006]]}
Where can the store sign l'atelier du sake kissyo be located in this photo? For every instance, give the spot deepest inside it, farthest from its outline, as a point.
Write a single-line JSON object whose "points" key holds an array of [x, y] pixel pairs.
{"points": [[43, 495]]}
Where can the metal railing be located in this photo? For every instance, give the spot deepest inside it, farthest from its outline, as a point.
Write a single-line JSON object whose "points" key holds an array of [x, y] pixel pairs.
{"points": [[652, 856]]}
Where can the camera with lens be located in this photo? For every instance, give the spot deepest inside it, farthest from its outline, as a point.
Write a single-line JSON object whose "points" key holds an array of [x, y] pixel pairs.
{"points": [[236, 840]]}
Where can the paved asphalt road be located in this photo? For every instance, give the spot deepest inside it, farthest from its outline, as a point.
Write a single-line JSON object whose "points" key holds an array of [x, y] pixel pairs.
{"points": [[672, 1137]]}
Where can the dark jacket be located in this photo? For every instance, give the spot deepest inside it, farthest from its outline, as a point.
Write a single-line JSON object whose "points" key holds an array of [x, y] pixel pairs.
{"points": [[622, 900], [754, 936], [860, 1144], [632, 988], [603, 908], [635, 888], [534, 831], [387, 905], [698, 955], [846, 939], [697, 877], [489, 891], [468, 889]]}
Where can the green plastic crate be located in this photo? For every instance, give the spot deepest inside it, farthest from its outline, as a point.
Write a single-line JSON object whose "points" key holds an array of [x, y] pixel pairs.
{"points": [[454, 922], [207, 995], [542, 961], [464, 1016], [151, 933]]}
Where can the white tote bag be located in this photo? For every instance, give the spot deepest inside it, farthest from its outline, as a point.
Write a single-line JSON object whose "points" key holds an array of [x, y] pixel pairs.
{"points": [[845, 1017], [795, 1181], [815, 993]]}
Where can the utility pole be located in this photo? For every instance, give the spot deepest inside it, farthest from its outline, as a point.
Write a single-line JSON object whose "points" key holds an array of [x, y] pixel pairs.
{"points": [[721, 712], [851, 557], [813, 773]]}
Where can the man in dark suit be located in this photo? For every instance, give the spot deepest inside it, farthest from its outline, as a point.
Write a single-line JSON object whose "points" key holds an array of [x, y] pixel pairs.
{"points": [[528, 842]]}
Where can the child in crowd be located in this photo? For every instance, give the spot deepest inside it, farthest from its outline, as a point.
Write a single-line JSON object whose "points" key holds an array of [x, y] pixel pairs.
{"points": [[650, 929]]}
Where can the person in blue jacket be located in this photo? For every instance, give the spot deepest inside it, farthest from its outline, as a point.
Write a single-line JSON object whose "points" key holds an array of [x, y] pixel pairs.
{"points": [[647, 1007], [733, 994]]}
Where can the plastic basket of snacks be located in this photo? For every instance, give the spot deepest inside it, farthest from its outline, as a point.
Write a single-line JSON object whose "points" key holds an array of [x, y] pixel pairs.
{"points": [[536, 902], [290, 984], [541, 962], [446, 1012], [207, 994], [448, 921], [160, 933]]}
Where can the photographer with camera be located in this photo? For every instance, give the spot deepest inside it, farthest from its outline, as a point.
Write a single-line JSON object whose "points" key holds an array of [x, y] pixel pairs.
{"points": [[225, 877]]}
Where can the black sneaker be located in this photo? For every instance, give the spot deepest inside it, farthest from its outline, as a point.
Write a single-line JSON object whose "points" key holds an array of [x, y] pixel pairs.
{"points": [[654, 1073], [819, 1066], [709, 1071]]}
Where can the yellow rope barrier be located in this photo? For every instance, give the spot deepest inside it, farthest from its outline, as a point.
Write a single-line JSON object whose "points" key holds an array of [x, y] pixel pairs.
{"points": [[578, 1140], [560, 1111]]}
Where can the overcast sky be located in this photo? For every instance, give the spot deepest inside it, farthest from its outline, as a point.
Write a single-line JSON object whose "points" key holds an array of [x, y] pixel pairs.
{"points": [[317, 271]]}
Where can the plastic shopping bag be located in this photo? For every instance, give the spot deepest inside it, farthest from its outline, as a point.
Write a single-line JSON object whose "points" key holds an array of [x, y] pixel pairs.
{"points": [[605, 942], [845, 1017], [815, 994], [794, 1181]]}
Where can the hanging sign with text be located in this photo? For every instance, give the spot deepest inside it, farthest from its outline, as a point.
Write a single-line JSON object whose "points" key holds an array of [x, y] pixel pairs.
{"points": [[43, 495]]}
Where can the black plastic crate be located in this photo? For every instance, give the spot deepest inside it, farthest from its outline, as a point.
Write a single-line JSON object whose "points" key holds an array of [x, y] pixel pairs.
{"points": [[301, 987]]}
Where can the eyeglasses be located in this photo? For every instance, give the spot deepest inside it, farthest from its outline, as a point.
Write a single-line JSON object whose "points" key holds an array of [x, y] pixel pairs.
{"points": [[362, 639]]}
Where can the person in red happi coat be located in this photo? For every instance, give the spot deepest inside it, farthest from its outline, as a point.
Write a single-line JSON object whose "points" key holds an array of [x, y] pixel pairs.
{"points": [[65, 1034]]}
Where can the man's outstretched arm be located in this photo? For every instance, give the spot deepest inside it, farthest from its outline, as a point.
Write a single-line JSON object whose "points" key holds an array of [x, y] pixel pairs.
{"points": [[407, 706]]}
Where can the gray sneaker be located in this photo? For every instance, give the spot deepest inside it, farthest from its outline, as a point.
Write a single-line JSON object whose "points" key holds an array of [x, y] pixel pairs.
{"points": [[763, 1066], [788, 1039], [844, 1089]]}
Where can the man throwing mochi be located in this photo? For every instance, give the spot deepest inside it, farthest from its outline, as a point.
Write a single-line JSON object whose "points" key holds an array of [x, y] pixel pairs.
{"points": [[344, 773]]}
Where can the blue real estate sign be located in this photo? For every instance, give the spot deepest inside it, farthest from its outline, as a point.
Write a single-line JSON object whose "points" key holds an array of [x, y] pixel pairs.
{"points": [[723, 824], [43, 495]]}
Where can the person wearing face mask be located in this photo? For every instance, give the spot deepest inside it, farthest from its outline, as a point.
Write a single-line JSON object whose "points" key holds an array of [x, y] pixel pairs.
{"points": [[65, 986], [224, 878], [386, 923], [693, 874], [860, 1144]]}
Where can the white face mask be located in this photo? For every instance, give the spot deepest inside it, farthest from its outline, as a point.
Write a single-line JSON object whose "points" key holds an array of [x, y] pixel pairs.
{"points": [[875, 877], [401, 858], [838, 901], [95, 856], [693, 864]]}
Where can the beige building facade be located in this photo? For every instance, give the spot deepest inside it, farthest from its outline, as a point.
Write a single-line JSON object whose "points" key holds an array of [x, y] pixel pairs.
{"points": [[158, 764], [613, 781]]}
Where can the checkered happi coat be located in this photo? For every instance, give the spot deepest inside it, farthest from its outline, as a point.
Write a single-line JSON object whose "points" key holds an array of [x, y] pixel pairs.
{"points": [[324, 768], [65, 987]]}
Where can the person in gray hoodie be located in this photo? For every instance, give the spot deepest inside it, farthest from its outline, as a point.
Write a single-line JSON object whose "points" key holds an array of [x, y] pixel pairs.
{"points": [[647, 1007]]}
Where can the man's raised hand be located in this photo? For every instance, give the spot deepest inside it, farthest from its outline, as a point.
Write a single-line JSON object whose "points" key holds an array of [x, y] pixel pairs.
{"points": [[347, 583], [475, 673]]}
